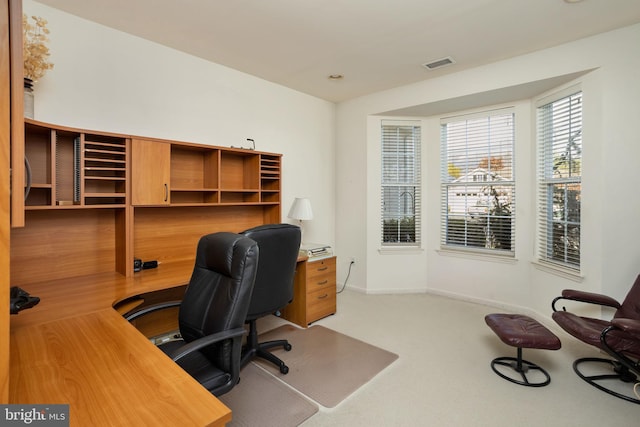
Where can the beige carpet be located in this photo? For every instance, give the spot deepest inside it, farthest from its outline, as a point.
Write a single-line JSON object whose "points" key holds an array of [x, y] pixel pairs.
{"points": [[325, 365], [262, 400]]}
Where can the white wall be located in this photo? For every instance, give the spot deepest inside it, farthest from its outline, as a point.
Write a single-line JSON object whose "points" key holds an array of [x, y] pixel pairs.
{"points": [[609, 207], [110, 81], [107, 80]]}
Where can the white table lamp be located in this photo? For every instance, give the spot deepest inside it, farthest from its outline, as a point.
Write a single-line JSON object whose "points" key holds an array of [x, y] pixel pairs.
{"points": [[301, 211]]}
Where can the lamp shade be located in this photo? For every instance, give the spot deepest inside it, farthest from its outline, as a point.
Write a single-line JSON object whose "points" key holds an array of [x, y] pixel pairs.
{"points": [[301, 209]]}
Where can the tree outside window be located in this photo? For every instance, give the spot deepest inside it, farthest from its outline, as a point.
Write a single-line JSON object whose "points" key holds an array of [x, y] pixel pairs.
{"points": [[478, 188]]}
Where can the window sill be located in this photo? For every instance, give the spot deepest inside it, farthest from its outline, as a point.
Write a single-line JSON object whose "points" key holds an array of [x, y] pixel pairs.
{"points": [[400, 250], [478, 255], [558, 270]]}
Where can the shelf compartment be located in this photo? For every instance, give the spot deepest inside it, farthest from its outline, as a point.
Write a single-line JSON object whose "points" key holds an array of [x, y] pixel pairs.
{"points": [[268, 184], [102, 179], [239, 196], [38, 151], [270, 196], [115, 199], [195, 196], [104, 155], [39, 195], [194, 168], [98, 186], [239, 170], [269, 166], [95, 172], [66, 166], [270, 176]]}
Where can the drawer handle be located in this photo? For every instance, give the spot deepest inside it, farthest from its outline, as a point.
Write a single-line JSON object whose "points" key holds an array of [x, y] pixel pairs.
{"points": [[324, 282], [323, 296], [323, 268]]}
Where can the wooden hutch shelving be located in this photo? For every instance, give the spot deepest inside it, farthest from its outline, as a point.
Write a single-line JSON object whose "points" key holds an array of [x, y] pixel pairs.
{"points": [[97, 200]]}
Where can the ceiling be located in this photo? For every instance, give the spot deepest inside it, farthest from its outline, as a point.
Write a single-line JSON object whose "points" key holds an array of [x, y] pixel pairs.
{"points": [[374, 44]]}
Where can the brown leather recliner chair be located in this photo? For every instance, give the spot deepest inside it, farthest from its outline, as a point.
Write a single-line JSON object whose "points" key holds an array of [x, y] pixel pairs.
{"points": [[619, 337]]}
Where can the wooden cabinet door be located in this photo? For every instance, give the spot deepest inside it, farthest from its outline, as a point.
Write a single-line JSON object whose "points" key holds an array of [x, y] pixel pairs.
{"points": [[13, 47], [150, 172]]}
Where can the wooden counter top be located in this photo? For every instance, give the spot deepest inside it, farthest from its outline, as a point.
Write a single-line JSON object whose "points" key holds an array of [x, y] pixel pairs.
{"points": [[74, 348], [85, 294]]}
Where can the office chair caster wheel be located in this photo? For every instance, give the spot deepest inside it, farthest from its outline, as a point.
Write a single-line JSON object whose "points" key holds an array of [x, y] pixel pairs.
{"points": [[287, 347], [284, 369]]}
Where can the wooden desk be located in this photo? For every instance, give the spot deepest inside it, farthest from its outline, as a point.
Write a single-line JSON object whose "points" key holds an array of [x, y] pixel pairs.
{"points": [[75, 348]]}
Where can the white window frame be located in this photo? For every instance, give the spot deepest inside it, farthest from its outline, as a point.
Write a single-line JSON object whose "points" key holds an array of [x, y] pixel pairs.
{"points": [[490, 231], [401, 187], [560, 171]]}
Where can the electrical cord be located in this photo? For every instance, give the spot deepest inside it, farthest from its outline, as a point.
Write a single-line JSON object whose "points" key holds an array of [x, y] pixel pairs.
{"points": [[348, 274]]}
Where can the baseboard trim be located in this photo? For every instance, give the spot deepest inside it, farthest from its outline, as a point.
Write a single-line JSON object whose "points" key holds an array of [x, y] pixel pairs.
{"points": [[543, 318]]}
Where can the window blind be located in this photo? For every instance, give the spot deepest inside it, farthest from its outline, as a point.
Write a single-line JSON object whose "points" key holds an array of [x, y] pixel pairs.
{"points": [[477, 182], [401, 186], [559, 128]]}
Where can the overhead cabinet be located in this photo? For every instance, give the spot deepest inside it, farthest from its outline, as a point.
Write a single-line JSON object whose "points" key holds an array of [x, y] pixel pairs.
{"points": [[98, 200], [150, 172], [178, 174]]}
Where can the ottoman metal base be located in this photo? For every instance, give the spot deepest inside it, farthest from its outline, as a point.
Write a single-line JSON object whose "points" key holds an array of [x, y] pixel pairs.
{"points": [[521, 367]]}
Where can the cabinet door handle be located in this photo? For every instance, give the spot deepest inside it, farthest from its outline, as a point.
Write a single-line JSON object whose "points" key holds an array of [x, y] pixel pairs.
{"points": [[166, 192], [324, 282], [323, 268], [323, 296]]}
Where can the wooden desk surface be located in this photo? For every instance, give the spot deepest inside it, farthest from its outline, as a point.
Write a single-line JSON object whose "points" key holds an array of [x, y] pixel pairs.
{"points": [[80, 295], [74, 348]]}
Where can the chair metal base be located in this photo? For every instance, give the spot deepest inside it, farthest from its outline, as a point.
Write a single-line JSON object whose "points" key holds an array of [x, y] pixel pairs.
{"points": [[253, 348], [522, 367], [619, 372], [261, 351]]}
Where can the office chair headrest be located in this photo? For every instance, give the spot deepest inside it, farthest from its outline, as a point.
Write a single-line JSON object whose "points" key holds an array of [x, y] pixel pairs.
{"points": [[267, 227], [215, 251]]}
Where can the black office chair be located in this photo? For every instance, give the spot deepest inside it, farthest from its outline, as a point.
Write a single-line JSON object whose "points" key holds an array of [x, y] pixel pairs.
{"points": [[213, 310], [279, 247], [619, 338]]}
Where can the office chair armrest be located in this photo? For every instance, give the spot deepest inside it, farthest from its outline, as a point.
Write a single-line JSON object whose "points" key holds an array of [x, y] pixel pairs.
{"points": [[630, 326], [186, 349], [150, 309], [586, 297]]}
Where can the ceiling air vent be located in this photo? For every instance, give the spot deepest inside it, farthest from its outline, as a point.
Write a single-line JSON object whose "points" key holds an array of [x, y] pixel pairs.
{"points": [[439, 63]]}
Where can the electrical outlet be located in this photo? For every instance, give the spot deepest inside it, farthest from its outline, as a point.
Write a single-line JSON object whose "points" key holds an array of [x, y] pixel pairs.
{"points": [[352, 260]]}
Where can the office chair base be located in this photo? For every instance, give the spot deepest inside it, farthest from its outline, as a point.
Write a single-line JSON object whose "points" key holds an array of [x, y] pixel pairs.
{"points": [[620, 373], [255, 349], [522, 368], [261, 351]]}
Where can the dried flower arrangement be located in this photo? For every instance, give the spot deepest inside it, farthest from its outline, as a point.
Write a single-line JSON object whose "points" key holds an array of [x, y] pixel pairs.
{"points": [[35, 50]]}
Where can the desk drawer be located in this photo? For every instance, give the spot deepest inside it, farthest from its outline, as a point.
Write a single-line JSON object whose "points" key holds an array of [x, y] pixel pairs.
{"points": [[314, 292], [324, 282], [320, 270], [321, 303]]}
